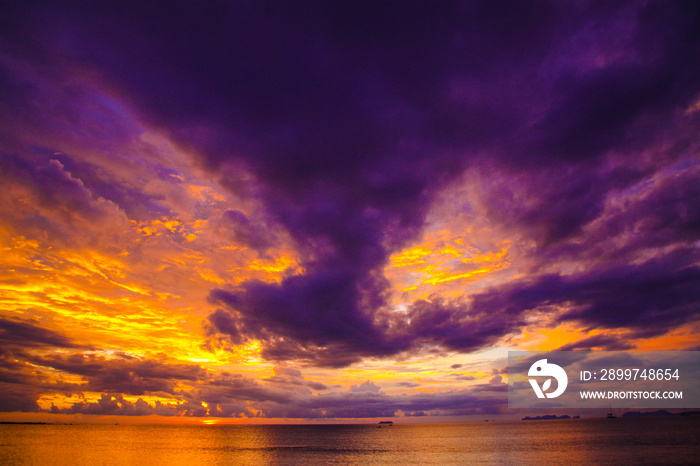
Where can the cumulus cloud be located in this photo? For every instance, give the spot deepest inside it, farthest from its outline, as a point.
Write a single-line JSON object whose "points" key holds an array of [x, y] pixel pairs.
{"points": [[367, 386]]}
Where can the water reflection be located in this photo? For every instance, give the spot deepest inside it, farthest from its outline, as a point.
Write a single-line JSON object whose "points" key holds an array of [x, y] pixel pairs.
{"points": [[644, 440]]}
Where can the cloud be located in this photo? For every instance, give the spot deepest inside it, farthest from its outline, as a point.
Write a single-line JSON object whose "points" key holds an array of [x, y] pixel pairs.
{"points": [[651, 297], [26, 334], [370, 403], [359, 115], [122, 374], [656, 214], [238, 227], [464, 377], [348, 211], [56, 205], [20, 383], [287, 375], [189, 390], [314, 309], [116, 405], [602, 341], [15, 398], [367, 386], [54, 189], [454, 324]]}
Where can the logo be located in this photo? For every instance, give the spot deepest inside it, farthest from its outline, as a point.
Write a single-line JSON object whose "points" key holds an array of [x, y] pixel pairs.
{"points": [[542, 368]]}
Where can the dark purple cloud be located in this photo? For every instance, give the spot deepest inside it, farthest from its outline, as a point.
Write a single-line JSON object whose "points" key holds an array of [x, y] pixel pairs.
{"points": [[18, 398], [26, 374], [350, 118], [124, 374], [52, 187], [27, 334], [20, 385], [287, 375], [239, 228], [652, 297], [662, 216]]}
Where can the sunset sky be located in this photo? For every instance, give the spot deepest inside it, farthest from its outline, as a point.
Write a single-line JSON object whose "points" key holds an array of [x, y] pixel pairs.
{"points": [[292, 211]]}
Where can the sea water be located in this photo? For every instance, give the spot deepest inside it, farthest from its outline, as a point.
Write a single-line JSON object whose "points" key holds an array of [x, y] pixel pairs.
{"points": [[661, 440]]}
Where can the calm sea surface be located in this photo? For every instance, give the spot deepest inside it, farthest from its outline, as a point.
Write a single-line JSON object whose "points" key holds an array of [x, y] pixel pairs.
{"points": [[621, 441]]}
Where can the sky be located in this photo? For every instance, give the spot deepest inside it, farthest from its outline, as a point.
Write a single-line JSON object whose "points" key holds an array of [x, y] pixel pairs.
{"points": [[337, 211]]}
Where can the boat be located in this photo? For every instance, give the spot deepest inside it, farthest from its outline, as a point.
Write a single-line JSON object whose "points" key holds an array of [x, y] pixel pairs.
{"points": [[385, 423], [611, 415]]}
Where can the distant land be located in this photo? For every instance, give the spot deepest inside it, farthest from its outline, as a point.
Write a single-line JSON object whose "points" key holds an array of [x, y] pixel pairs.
{"points": [[660, 412], [548, 417], [12, 422]]}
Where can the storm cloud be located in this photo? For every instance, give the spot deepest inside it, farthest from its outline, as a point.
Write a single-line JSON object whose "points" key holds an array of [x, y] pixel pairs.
{"points": [[336, 129]]}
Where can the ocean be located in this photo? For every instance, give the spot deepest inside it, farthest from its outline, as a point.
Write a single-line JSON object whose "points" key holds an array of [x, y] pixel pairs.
{"points": [[661, 440]]}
